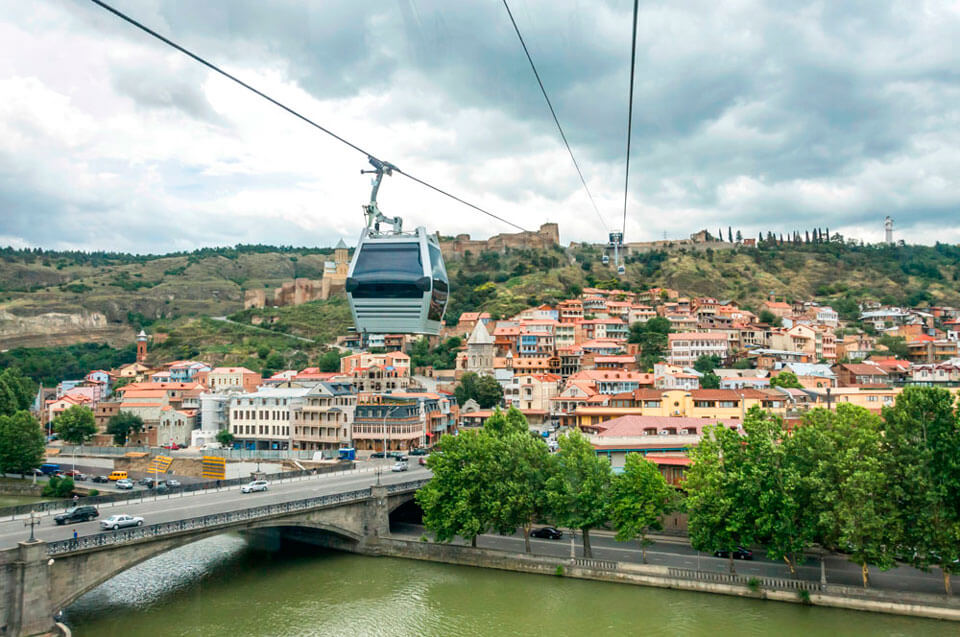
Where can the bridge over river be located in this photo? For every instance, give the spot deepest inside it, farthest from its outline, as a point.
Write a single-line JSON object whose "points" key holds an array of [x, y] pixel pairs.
{"points": [[40, 577]]}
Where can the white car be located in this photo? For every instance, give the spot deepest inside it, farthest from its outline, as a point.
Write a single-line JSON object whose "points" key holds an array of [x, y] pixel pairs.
{"points": [[256, 485], [119, 521], [124, 484], [399, 466]]}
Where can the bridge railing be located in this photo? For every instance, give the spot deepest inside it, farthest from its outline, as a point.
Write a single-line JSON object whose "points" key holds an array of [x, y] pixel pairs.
{"points": [[406, 486], [215, 520], [58, 506]]}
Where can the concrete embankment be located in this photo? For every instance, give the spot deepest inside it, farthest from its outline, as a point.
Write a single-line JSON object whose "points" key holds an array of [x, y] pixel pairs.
{"points": [[897, 603]]}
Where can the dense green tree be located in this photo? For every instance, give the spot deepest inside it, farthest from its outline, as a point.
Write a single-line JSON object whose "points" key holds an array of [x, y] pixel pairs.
{"points": [[16, 392], [58, 487], [860, 516], [768, 317], [710, 381], [896, 345], [707, 363], [720, 516], [578, 488], [516, 480], [505, 423], [225, 438], [639, 498], [456, 500], [75, 424], [787, 380], [652, 338], [49, 365], [443, 356], [21, 443], [921, 444], [483, 389], [122, 425], [330, 361], [773, 483]]}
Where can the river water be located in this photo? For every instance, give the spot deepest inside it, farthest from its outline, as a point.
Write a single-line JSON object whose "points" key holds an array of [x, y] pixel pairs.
{"points": [[14, 500], [220, 586]]}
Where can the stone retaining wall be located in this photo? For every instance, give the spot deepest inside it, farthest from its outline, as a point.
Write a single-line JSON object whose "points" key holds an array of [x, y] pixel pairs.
{"points": [[911, 604], [15, 487]]}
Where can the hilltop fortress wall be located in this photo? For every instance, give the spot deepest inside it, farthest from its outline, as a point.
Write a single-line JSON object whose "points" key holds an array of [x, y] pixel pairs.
{"points": [[546, 237]]}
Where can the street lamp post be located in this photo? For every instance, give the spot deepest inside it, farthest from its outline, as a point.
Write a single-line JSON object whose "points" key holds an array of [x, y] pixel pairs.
{"points": [[386, 415]]}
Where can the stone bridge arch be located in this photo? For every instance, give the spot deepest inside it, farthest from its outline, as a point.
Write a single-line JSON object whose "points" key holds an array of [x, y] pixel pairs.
{"points": [[75, 574]]}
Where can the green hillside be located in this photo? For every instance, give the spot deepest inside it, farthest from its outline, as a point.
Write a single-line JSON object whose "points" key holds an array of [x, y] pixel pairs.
{"points": [[835, 273], [172, 294], [143, 288]]}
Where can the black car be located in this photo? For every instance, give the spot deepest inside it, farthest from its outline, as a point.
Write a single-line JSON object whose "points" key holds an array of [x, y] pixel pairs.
{"points": [[419, 451], [376, 454], [547, 533], [103, 479], [77, 514], [739, 554]]}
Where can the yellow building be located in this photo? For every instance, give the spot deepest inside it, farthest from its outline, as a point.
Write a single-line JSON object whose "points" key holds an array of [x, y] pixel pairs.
{"points": [[697, 403]]}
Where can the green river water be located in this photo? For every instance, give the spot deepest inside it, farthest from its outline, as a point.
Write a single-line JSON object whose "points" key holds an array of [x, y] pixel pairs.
{"points": [[220, 586], [14, 500]]}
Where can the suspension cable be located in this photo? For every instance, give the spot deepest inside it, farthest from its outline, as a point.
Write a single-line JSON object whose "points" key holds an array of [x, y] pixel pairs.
{"points": [[633, 62], [296, 114], [554, 114]]}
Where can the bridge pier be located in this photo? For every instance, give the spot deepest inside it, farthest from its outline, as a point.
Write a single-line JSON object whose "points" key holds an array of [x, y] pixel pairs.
{"points": [[27, 600], [378, 524]]}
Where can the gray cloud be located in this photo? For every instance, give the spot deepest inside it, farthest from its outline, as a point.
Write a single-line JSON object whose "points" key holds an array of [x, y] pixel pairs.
{"points": [[752, 114]]}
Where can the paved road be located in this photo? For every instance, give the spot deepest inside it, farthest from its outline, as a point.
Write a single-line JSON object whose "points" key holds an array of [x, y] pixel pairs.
{"points": [[677, 552], [180, 506]]}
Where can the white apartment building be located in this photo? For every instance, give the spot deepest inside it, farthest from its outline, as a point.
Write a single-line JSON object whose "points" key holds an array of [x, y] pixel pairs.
{"points": [[261, 420], [687, 347]]}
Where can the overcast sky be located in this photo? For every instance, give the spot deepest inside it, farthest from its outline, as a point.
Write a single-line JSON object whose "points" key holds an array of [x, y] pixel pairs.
{"points": [[756, 115]]}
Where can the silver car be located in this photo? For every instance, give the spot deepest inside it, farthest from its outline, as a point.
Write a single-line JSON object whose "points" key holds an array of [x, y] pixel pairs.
{"points": [[119, 521], [399, 466], [256, 485]]}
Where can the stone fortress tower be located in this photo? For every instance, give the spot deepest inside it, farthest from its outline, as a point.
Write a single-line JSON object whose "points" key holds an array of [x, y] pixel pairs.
{"points": [[300, 290]]}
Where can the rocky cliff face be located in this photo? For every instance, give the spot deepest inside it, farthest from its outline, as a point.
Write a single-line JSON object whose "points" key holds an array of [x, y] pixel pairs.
{"points": [[58, 328]]}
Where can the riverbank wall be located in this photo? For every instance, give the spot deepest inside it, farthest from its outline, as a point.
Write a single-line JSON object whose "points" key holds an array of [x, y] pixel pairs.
{"points": [[760, 588], [20, 488]]}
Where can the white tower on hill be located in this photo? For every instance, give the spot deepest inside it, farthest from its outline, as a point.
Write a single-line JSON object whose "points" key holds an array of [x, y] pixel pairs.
{"points": [[888, 230]]}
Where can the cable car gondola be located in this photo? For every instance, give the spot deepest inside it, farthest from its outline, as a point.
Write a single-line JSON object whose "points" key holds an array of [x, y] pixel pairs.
{"points": [[397, 282]]}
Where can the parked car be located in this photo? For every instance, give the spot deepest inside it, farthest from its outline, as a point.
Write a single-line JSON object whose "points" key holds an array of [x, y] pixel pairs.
{"points": [[119, 521], [172, 446], [77, 514], [399, 466], [256, 485], [547, 533], [101, 479], [419, 451], [376, 454], [173, 483], [739, 554], [125, 483]]}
